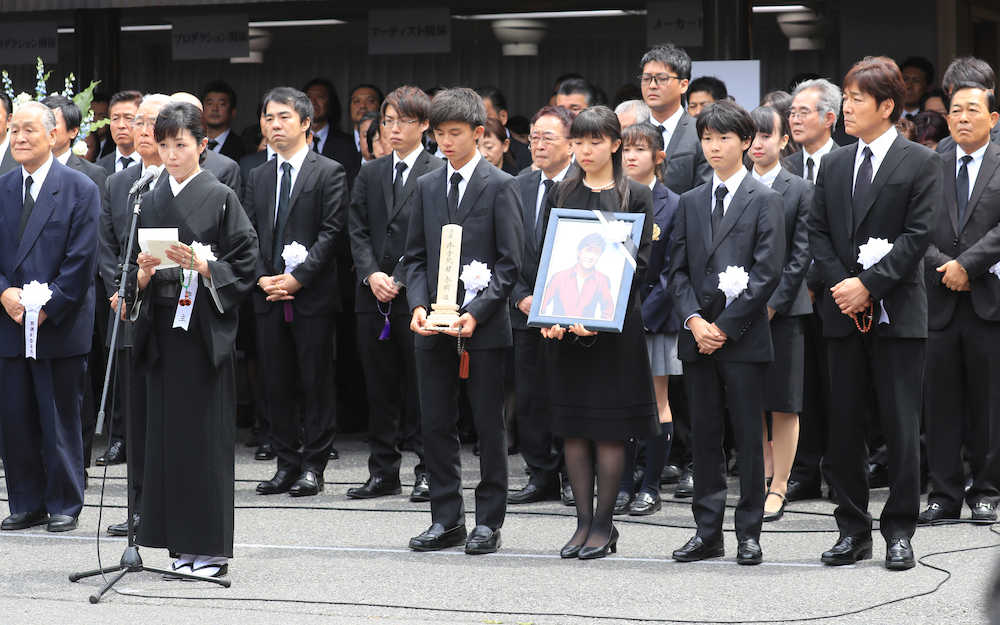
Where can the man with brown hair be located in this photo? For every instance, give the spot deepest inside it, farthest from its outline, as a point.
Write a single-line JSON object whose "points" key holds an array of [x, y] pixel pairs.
{"points": [[868, 231]]}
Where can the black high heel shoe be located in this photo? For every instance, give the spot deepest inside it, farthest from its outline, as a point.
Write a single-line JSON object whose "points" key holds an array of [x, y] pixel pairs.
{"points": [[569, 550], [592, 553]]}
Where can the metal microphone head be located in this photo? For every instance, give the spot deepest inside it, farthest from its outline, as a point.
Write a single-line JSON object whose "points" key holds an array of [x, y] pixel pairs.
{"points": [[151, 172]]}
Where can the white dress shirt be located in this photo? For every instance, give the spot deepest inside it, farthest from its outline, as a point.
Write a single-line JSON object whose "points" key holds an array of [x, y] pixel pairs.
{"points": [[220, 140], [541, 187], [669, 124], [296, 162], [357, 139], [118, 159], [769, 176], [879, 147], [62, 158], [37, 178], [466, 172], [817, 157], [409, 159], [974, 164], [732, 183], [319, 138]]}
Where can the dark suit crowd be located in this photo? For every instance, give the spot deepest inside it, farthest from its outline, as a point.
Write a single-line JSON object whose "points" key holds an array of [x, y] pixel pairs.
{"points": [[826, 367]]}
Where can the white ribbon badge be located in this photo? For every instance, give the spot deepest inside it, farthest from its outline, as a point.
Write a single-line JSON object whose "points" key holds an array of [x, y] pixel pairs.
{"points": [[33, 297], [189, 288]]}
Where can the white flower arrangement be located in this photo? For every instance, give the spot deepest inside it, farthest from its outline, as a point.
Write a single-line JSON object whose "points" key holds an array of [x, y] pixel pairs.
{"points": [[294, 255], [732, 282], [82, 100], [873, 251]]}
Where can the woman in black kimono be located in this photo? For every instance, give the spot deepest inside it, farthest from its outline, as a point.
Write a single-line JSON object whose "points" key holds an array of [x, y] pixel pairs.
{"points": [[186, 330], [598, 387]]}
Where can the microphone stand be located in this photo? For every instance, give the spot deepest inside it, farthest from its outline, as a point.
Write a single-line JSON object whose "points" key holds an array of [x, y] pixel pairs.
{"points": [[130, 561]]}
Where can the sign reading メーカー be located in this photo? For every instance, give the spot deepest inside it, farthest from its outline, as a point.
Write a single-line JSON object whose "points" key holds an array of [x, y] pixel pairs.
{"points": [[675, 21], [409, 32], [210, 37]]}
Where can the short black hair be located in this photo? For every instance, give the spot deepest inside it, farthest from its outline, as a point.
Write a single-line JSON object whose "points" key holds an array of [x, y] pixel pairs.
{"points": [[726, 116], [670, 55], [365, 85], [578, 85], [8, 106], [711, 85], [922, 64], [763, 120], [220, 86], [177, 117], [991, 99], [968, 69], [70, 112], [128, 95], [519, 124], [333, 109], [495, 96], [294, 98], [458, 104]]}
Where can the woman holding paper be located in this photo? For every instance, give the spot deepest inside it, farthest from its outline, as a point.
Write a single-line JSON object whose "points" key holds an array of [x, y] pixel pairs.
{"points": [[599, 388], [185, 333]]}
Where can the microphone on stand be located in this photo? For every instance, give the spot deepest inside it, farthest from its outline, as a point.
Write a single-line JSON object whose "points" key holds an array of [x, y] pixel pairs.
{"points": [[151, 173]]}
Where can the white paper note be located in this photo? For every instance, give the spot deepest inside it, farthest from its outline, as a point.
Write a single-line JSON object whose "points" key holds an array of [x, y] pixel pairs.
{"points": [[155, 241]]}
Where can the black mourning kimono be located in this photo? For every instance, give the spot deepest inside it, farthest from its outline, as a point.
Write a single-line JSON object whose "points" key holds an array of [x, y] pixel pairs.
{"points": [[187, 500]]}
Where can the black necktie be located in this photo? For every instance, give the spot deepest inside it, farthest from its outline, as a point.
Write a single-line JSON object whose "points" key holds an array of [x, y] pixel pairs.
{"points": [[810, 163], [662, 129], [539, 226], [962, 188], [281, 214], [863, 183], [397, 184], [212, 144], [719, 211], [125, 161], [29, 205], [315, 144], [453, 196]]}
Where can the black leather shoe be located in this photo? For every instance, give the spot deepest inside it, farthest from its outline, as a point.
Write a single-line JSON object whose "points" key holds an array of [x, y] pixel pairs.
{"points": [[802, 491], [482, 540], [848, 550], [622, 502], [569, 551], [645, 503], [436, 537], [697, 549], [749, 552], [280, 483], [61, 523], [24, 520], [935, 512], [115, 454], [777, 514], [421, 489], [685, 485], [566, 494], [670, 474], [899, 554], [121, 529], [309, 483], [593, 553], [376, 486], [984, 512], [532, 493], [264, 452], [334, 454]]}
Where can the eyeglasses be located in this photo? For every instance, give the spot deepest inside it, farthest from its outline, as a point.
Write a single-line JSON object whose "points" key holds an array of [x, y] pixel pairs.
{"points": [[548, 139], [660, 79], [398, 123], [801, 113]]}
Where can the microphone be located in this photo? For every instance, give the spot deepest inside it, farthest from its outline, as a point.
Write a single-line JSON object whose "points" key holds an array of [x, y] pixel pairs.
{"points": [[151, 172]]}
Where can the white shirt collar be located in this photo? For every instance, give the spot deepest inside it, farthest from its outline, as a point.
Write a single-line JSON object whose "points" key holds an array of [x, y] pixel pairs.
{"points": [[270, 152], [177, 187], [409, 159], [820, 153], [879, 146], [976, 156], [768, 176], [62, 158], [670, 123], [37, 178], [118, 157], [558, 177], [220, 140], [652, 184], [296, 159], [733, 183], [466, 169]]}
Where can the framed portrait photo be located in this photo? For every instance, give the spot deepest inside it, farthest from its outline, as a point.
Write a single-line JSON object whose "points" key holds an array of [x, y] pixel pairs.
{"points": [[585, 272]]}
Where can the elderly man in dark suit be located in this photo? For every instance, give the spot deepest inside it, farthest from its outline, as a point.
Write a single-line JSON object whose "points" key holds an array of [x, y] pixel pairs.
{"points": [[48, 234], [383, 195], [298, 197], [811, 118], [874, 306], [962, 272]]}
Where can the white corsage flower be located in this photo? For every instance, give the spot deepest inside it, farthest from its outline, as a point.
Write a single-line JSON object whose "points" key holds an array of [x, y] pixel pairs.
{"points": [[294, 255], [732, 282], [80, 148], [475, 276], [870, 253]]}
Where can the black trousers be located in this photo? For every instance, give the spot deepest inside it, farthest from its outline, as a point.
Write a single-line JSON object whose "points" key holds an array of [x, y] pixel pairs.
{"points": [[894, 369], [438, 382], [808, 465], [131, 391], [390, 374], [298, 363], [534, 425], [712, 386], [962, 403]]}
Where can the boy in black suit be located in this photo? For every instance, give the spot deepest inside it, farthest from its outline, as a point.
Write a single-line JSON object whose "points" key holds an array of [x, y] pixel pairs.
{"points": [[874, 310], [484, 201], [731, 226]]}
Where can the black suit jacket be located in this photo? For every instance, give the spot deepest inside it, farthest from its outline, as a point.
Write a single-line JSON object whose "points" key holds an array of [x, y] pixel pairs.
{"points": [[247, 164], [378, 227], [7, 161], [224, 169], [88, 169], [751, 236], [794, 163], [905, 192], [317, 214], [685, 166], [791, 297], [974, 242], [491, 234], [107, 162], [340, 147], [233, 146], [654, 291]]}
